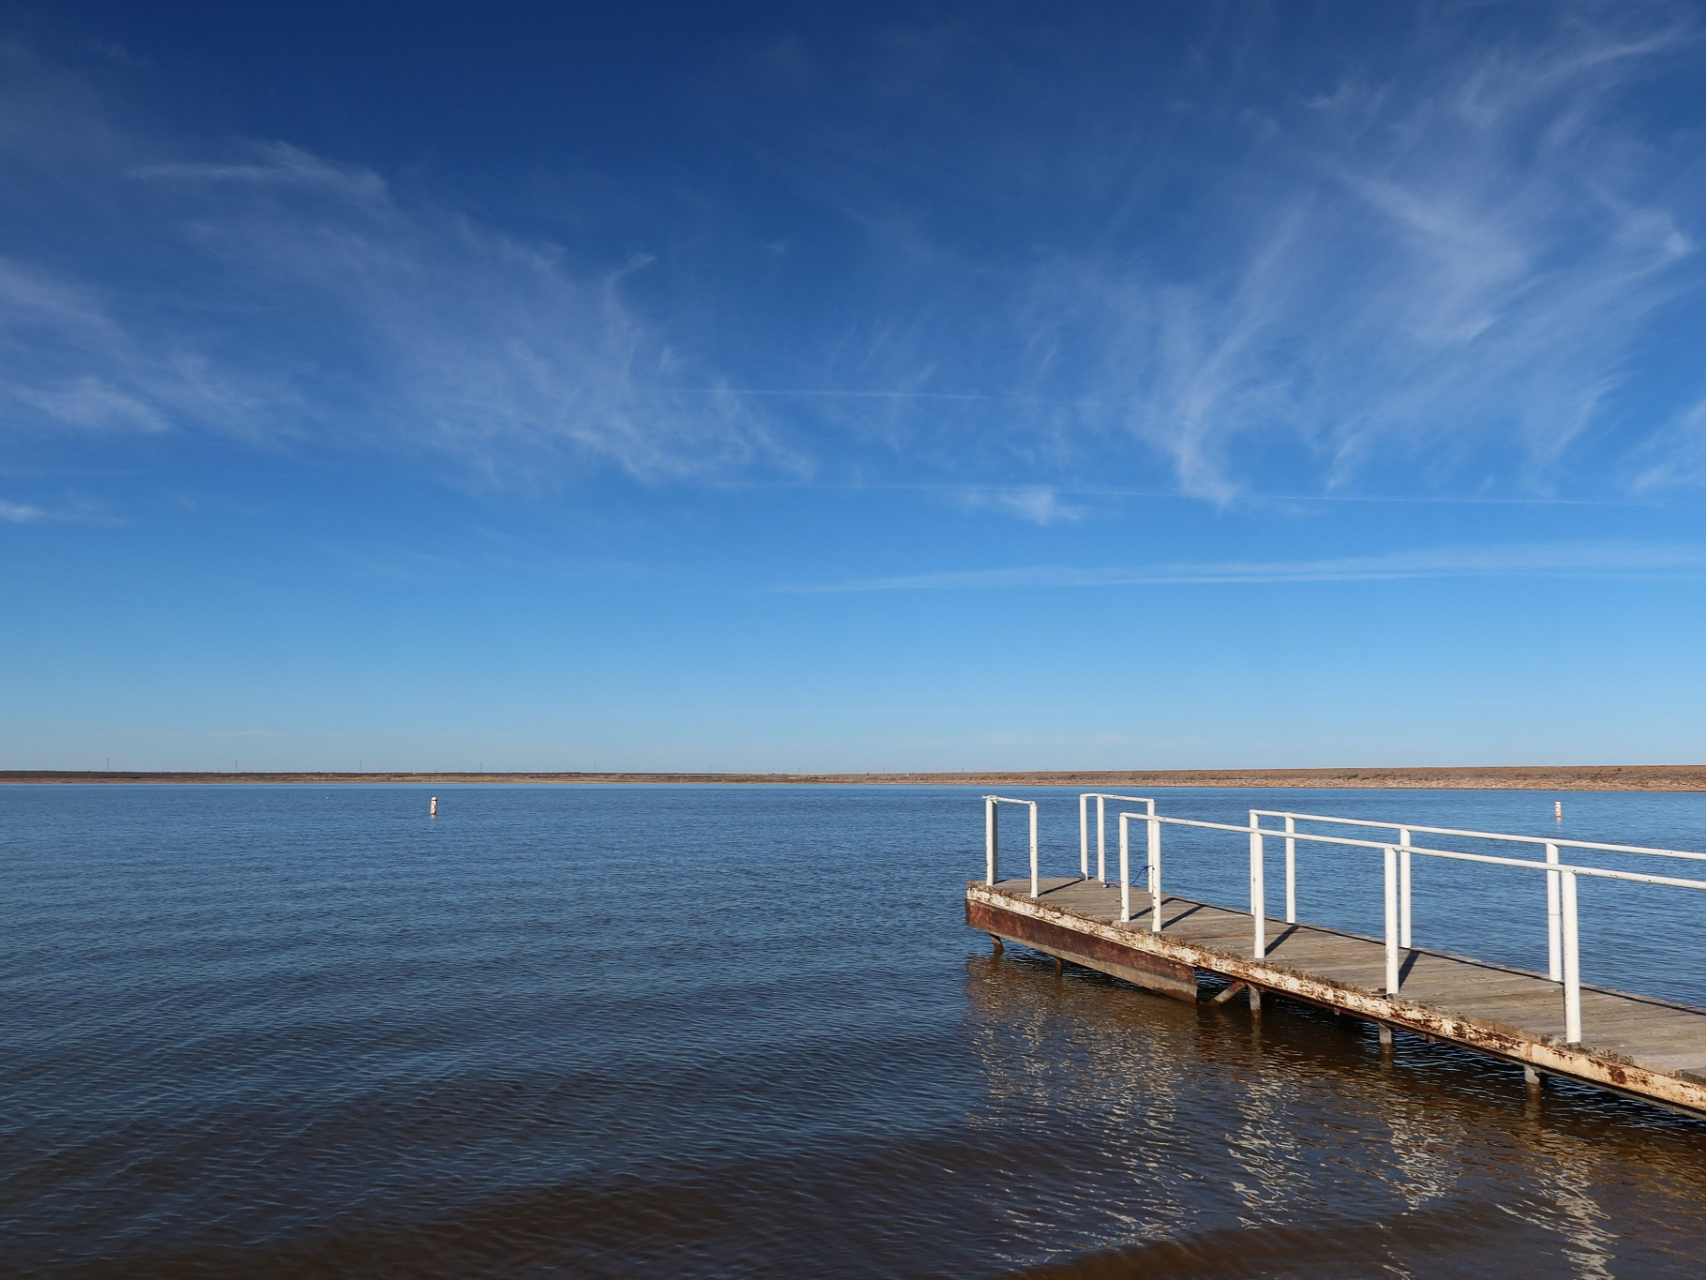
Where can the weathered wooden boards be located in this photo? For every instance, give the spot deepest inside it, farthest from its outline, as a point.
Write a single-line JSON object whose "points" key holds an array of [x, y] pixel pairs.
{"points": [[1649, 1048]]}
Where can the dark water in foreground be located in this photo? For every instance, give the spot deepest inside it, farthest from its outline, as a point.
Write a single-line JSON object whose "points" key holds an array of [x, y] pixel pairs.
{"points": [[283, 1031]]}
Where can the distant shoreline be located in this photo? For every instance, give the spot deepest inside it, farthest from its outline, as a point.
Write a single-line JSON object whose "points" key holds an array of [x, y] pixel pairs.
{"points": [[1680, 777]]}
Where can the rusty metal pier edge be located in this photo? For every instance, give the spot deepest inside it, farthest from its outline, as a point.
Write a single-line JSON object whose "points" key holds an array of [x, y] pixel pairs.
{"points": [[1169, 966]]}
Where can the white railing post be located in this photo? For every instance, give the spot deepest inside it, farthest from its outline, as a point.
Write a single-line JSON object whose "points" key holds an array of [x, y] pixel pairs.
{"points": [[1391, 922], [1258, 893], [1101, 839], [1036, 887], [1154, 861], [991, 837], [1125, 868], [1572, 959], [1403, 886], [1084, 834], [1290, 869], [1554, 938]]}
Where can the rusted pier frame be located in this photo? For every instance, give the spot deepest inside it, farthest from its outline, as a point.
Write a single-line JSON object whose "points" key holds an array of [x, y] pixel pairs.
{"points": [[1162, 962]]}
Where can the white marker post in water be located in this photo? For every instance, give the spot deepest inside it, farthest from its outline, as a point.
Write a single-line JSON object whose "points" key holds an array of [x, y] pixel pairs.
{"points": [[1558, 810], [432, 809]]}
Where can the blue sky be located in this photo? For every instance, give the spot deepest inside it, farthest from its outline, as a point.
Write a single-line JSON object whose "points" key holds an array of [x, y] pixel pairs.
{"points": [[804, 387]]}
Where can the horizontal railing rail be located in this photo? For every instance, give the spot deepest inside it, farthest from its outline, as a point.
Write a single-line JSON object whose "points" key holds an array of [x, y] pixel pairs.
{"points": [[1551, 844], [1559, 841]]}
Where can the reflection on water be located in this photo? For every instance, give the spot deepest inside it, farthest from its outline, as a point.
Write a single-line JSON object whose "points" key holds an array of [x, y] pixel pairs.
{"points": [[1221, 1144], [287, 1032]]}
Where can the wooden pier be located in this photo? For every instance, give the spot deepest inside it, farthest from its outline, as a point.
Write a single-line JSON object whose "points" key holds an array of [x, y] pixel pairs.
{"points": [[1634, 1045]]}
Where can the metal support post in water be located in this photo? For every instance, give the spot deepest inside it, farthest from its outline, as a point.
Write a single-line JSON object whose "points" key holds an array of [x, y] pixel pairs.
{"points": [[991, 837], [1404, 887], [432, 808], [1258, 893], [1125, 867], [1290, 870], [1154, 871], [1554, 939], [1036, 888], [1391, 922], [1572, 962]]}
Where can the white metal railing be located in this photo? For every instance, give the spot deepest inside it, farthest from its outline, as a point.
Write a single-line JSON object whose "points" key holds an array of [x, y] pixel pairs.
{"points": [[1551, 844], [992, 842], [1101, 798], [1397, 922]]}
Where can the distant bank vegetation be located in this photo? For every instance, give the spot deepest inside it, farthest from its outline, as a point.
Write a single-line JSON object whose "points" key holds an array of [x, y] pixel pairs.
{"points": [[1668, 777]]}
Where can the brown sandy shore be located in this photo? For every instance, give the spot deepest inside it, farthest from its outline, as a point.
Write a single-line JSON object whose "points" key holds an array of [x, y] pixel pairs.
{"points": [[1634, 777]]}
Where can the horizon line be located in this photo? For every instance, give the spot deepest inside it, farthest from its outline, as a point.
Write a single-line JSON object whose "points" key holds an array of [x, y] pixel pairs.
{"points": [[1575, 777]]}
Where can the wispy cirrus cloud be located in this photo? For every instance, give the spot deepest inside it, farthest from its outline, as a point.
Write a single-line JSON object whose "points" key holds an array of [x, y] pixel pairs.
{"points": [[19, 512], [455, 338], [1542, 560], [1434, 271], [69, 363], [1673, 458], [307, 303], [1431, 247], [1435, 263], [1037, 504]]}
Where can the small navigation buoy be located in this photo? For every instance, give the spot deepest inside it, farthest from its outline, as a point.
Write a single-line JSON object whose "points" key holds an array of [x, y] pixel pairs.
{"points": [[432, 809], [1558, 810]]}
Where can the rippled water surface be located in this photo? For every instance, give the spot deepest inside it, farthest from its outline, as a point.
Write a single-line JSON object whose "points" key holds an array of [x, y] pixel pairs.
{"points": [[294, 1031]]}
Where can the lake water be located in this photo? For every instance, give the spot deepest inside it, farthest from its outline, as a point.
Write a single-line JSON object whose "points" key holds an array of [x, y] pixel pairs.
{"points": [[704, 1032]]}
